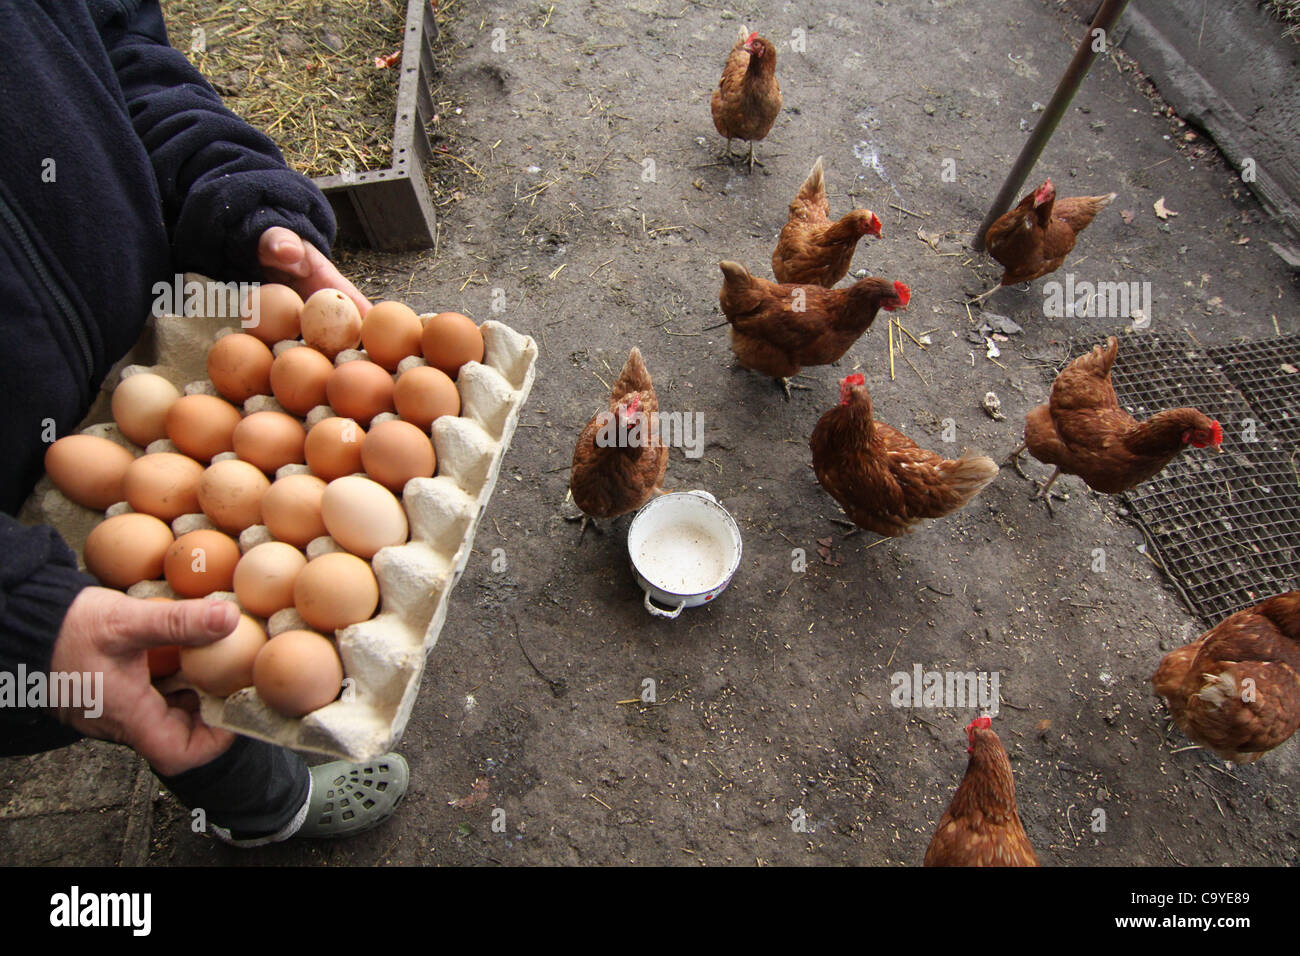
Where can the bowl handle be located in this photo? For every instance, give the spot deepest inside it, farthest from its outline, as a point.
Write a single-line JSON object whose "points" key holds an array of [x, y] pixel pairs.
{"points": [[650, 606]]}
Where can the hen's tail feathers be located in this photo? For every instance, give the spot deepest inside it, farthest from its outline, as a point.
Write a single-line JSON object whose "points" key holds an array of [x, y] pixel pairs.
{"points": [[1098, 362], [1079, 211], [1284, 611], [1269, 691], [969, 474], [814, 187], [734, 273], [635, 377]]}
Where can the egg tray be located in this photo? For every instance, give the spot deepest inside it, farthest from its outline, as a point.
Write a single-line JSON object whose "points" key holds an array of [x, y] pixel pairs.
{"points": [[383, 658]]}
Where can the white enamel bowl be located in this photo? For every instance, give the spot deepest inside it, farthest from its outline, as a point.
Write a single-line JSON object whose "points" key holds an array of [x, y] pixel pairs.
{"points": [[685, 549]]}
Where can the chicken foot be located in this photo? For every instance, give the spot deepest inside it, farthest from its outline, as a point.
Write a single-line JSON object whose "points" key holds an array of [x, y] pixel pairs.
{"points": [[1014, 461], [786, 385], [1044, 491], [570, 511]]}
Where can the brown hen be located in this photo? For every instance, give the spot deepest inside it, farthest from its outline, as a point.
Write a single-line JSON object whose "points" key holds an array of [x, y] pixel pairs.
{"points": [[748, 98], [620, 461], [1236, 689], [1083, 431], [778, 329], [1033, 238], [811, 248], [882, 479], [981, 826]]}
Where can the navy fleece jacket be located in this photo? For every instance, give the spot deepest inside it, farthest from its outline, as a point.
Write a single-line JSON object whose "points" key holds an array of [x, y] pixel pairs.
{"points": [[118, 168]]}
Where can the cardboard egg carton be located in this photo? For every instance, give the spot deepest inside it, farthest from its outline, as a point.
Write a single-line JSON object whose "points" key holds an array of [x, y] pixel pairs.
{"points": [[383, 658]]}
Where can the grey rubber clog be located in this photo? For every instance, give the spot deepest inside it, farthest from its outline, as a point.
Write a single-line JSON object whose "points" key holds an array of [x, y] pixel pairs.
{"points": [[349, 798]]}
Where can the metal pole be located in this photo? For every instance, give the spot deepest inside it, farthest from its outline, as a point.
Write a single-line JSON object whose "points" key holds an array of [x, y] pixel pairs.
{"points": [[1065, 90]]}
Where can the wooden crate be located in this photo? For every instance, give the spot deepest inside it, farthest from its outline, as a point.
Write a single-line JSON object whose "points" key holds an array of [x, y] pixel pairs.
{"points": [[391, 209]]}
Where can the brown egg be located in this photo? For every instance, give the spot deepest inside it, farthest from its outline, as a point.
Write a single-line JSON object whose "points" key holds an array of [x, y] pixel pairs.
{"points": [[140, 404], [239, 367], [297, 672], [270, 440], [331, 322], [450, 340], [362, 515], [390, 332], [163, 661], [298, 378], [165, 485], [394, 452], [126, 549], [202, 425], [335, 590], [225, 666], [423, 394], [360, 390], [291, 509], [333, 448], [201, 562], [88, 469], [264, 577], [230, 494], [270, 312]]}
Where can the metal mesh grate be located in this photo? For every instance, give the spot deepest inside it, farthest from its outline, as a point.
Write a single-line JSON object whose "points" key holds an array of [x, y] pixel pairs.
{"points": [[1267, 373], [1226, 527]]}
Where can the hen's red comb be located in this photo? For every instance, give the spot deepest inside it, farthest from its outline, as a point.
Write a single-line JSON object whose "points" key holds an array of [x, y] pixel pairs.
{"points": [[752, 37], [850, 380], [1216, 431], [980, 723], [904, 293]]}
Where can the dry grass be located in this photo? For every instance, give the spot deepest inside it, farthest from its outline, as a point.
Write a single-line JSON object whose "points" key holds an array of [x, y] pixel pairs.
{"points": [[1288, 11], [302, 71]]}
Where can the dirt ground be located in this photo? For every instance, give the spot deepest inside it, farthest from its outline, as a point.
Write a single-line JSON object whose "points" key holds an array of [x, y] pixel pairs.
{"points": [[773, 703]]}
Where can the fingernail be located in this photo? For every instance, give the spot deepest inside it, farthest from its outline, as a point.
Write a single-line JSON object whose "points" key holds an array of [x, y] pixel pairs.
{"points": [[217, 615]]}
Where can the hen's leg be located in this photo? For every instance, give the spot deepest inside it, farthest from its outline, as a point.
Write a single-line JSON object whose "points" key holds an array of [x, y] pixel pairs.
{"points": [[1014, 460], [1044, 491], [786, 385], [570, 511]]}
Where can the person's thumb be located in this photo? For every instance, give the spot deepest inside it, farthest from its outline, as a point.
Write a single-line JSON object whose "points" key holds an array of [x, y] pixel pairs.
{"points": [[138, 625], [281, 248]]}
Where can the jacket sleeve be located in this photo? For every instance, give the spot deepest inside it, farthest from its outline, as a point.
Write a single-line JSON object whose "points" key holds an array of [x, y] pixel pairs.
{"points": [[223, 183], [38, 581]]}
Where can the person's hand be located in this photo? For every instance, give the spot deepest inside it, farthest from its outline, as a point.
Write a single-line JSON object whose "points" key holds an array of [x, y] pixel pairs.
{"points": [[107, 632], [289, 259]]}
